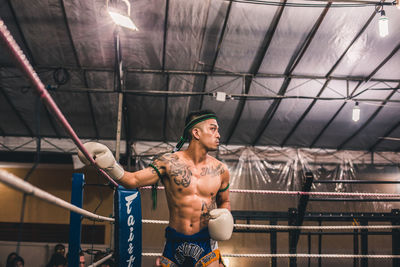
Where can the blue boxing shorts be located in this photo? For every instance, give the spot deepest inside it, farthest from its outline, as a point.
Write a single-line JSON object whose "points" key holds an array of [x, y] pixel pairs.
{"points": [[189, 250]]}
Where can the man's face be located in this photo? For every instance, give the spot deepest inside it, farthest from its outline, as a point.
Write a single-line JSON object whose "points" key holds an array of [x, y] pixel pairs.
{"points": [[81, 261], [208, 134]]}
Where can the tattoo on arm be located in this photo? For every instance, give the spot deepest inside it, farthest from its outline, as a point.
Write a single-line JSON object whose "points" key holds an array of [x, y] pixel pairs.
{"points": [[159, 163]]}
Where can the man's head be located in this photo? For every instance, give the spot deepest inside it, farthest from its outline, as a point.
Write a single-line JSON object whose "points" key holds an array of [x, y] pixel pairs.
{"points": [[60, 249], [17, 262], [202, 126], [81, 259]]}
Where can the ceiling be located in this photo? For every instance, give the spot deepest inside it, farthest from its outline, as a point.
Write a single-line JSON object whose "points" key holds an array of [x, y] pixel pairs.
{"points": [[292, 71]]}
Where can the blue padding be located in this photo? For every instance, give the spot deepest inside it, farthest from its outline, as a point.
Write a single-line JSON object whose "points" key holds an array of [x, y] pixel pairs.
{"points": [[74, 245], [128, 227]]}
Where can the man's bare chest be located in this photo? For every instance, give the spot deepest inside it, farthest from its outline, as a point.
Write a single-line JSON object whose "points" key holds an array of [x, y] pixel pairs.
{"points": [[203, 178]]}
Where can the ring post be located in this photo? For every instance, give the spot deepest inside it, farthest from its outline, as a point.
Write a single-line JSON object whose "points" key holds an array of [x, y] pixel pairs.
{"points": [[78, 180], [128, 227]]}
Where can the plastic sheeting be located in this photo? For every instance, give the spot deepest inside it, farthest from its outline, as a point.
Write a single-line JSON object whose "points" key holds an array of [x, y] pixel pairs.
{"points": [[283, 169]]}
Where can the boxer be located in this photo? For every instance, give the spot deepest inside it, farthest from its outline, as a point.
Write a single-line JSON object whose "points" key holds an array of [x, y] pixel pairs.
{"points": [[196, 188]]}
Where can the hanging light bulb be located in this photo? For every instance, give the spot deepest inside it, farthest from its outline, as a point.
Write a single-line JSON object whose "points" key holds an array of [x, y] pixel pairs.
{"points": [[356, 112], [383, 24]]}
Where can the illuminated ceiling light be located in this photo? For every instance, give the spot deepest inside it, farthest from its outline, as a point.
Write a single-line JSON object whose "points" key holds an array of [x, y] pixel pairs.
{"points": [[121, 15], [356, 113], [383, 24]]}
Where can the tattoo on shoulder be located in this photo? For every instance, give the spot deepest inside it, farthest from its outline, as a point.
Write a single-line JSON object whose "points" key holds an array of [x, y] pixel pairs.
{"points": [[179, 171], [213, 170]]}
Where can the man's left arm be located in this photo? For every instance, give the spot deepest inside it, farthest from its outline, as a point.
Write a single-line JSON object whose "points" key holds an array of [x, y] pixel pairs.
{"points": [[220, 225], [223, 192]]}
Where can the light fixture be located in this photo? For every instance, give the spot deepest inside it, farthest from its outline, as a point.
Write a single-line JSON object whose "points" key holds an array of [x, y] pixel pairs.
{"points": [[398, 4], [356, 112], [220, 96], [383, 24], [121, 15]]}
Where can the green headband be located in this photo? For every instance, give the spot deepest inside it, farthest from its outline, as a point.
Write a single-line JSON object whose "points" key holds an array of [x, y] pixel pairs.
{"points": [[192, 123]]}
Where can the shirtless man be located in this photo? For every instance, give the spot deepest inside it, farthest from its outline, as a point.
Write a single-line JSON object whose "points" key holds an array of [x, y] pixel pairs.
{"points": [[196, 187]]}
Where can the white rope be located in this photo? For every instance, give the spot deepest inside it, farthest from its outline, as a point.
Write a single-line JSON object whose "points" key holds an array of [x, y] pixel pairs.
{"points": [[17, 183], [97, 263], [292, 227], [154, 221], [347, 256], [301, 193], [333, 227]]}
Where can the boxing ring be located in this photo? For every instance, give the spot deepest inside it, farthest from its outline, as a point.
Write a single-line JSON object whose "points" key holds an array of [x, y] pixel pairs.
{"points": [[20, 185], [127, 202]]}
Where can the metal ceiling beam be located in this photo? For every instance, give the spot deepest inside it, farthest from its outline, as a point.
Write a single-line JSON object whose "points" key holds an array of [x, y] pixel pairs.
{"points": [[221, 37], [20, 117], [306, 44], [328, 75], [165, 35], [296, 57], [255, 67], [71, 41], [207, 73], [28, 51]]}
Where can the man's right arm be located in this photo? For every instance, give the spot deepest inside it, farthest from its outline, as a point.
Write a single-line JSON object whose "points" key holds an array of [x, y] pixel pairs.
{"points": [[106, 161]]}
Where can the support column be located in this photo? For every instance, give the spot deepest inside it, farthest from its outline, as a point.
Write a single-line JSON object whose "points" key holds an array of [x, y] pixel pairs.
{"points": [[396, 237], [364, 244], [74, 244], [273, 242]]}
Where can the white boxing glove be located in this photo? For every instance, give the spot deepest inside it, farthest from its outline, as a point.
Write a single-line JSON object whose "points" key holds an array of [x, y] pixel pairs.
{"points": [[104, 159], [220, 225]]}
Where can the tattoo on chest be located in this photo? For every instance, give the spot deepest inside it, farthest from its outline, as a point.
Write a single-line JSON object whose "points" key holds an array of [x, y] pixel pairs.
{"points": [[179, 172], [212, 171], [206, 208]]}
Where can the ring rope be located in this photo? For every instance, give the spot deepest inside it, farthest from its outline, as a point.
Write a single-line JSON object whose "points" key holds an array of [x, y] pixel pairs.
{"points": [[97, 263], [293, 227], [19, 184], [151, 254], [27, 68], [301, 193]]}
